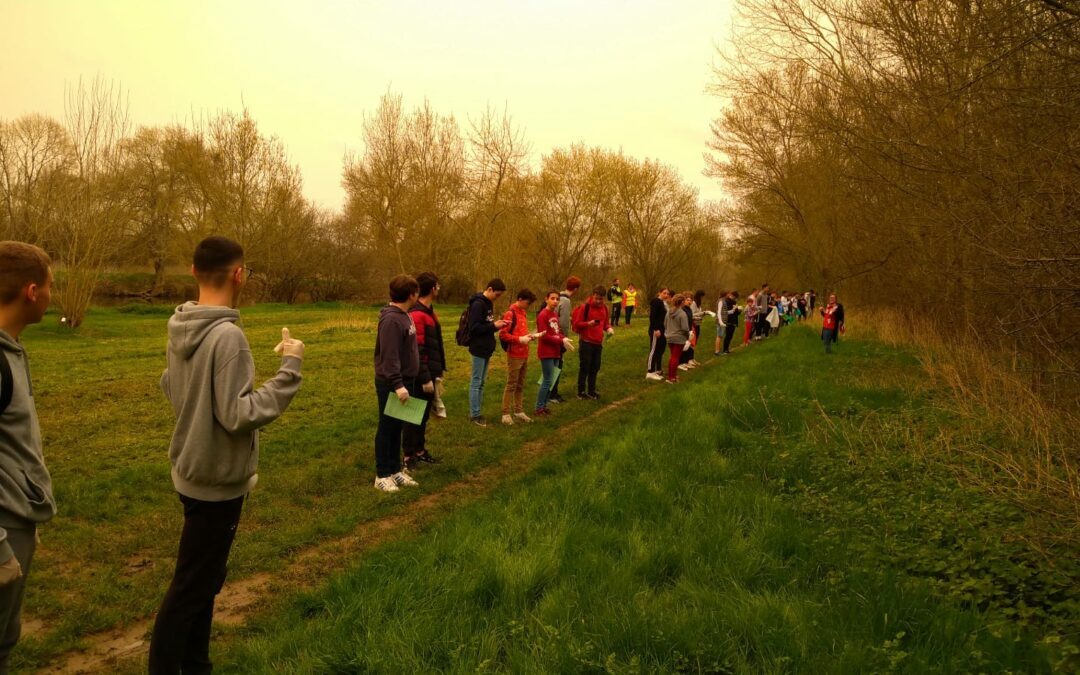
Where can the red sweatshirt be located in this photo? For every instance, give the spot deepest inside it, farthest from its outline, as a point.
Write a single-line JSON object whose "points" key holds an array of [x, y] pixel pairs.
{"points": [[590, 311], [550, 346], [520, 327]]}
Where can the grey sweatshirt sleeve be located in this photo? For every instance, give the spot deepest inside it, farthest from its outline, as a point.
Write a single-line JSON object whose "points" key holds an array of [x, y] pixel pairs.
{"points": [[237, 407]]}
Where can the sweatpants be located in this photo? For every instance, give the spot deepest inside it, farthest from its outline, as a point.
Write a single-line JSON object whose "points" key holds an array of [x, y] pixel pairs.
{"points": [[657, 343], [589, 359], [23, 541], [673, 362], [180, 642]]}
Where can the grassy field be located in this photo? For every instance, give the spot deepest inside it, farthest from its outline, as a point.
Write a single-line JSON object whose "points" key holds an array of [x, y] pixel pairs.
{"points": [[780, 511], [106, 558]]}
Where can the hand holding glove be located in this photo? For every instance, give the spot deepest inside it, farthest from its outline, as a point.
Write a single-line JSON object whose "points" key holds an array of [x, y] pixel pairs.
{"points": [[402, 394], [289, 346]]}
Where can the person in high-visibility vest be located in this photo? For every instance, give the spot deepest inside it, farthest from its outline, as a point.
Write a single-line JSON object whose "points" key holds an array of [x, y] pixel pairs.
{"points": [[629, 301]]}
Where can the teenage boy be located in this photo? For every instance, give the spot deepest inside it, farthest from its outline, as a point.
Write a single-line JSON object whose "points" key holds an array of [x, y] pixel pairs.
{"points": [[429, 342], [629, 302], [658, 310], [214, 452], [26, 499], [592, 324], [515, 338], [397, 372], [563, 311], [615, 297], [727, 320], [482, 327]]}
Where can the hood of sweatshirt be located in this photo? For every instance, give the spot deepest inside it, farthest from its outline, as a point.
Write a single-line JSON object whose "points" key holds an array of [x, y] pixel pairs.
{"points": [[8, 343], [191, 323]]}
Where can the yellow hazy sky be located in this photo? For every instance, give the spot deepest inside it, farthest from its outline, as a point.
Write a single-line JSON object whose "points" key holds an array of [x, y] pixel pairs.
{"points": [[625, 74]]}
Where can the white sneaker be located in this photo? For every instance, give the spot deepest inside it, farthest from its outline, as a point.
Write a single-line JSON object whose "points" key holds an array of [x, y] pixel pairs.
{"points": [[694, 363], [684, 367], [655, 377], [386, 484], [440, 411], [508, 420], [401, 478], [522, 417]]}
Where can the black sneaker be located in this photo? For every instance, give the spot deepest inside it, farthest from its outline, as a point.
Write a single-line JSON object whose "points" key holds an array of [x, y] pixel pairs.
{"points": [[594, 396], [583, 396], [409, 462], [426, 458], [556, 399], [478, 421]]}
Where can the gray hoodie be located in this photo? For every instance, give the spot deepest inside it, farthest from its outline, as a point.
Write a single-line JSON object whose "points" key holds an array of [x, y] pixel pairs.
{"points": [[676, 326], [563, 311], [25, 486], [210, 382]]}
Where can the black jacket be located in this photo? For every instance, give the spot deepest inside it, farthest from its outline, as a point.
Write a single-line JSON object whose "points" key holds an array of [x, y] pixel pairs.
{"points": [[657, 314], [429, 332], [481, 326]]}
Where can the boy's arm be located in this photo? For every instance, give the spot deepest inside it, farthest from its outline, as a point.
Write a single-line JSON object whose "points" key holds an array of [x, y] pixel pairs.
{"points": [[237, 407]]}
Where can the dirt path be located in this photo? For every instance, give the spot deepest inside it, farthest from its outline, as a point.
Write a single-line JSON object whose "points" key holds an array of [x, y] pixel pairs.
{"points": [[239, 599]]}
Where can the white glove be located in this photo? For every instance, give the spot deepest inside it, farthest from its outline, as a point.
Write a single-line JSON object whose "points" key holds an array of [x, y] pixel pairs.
{"points": [[525, 339], [289, 346], [439, 387], [402, 394], [610, 331], [428, 387], [568, 344], [10, 571]]}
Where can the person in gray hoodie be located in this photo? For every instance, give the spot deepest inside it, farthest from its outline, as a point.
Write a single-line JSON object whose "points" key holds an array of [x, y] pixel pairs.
{"points": [[214, 452], [677, 333], [26, 498]]}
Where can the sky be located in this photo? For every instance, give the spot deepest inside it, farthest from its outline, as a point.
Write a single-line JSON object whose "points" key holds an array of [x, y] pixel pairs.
{"points": [[627, 74]]}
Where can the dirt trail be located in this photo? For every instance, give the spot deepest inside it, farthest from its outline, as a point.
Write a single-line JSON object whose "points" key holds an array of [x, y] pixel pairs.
{"points": [[239, 599]]}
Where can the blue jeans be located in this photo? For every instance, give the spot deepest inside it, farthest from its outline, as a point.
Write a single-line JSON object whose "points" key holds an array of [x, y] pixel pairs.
{"points": [[476, 384], [828, 336], [548, 366]]}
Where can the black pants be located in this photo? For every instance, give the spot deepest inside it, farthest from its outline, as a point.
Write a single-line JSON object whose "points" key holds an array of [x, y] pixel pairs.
{"points": [[657, 345], [388, 433], [729, 332], [181, 639], [589, 360], [629, 313], [413, 437], [616, 312]]}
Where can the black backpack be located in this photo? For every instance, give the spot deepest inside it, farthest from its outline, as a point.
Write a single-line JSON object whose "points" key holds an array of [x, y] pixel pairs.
{"points": [[463, 336], [7, 383], [513, 324]]}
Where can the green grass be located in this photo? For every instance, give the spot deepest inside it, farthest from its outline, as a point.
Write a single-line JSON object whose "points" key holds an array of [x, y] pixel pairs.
{"points": [[772, 514], [106, 558]]}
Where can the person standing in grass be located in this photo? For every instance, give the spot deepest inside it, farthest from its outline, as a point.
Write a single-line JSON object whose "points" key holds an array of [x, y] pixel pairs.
{"points": [[832, 321], [564, 310], [658, 309], [482, 326], [214, 452], [592, 324], [629, 301], [751, 316], [26, 500], [429, 343], [397, 373], [553, 342], [727, 320], [615, 297], [677, 332], [515, 338]]}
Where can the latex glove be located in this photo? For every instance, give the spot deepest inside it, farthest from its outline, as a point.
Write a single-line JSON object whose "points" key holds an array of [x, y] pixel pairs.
{"points": [[568, 344], [428, 387], [439, 387], [289, 346], [610, 331], [10, 571], [402, 394], [525, 339]]}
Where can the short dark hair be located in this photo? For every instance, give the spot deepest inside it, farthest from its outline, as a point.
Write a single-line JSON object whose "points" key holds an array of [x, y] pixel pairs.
{"points": [[550, 292], [496, 284], [526, 294], [427, 281], [214, 259], [662, 289], [402, 287], [735, 294], [21, 264], [572, 283], [599, 290]]}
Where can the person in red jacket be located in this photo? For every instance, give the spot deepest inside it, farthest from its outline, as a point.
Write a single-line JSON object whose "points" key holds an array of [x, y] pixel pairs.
{"points": [[550, 348], [515, 337], [590, 321]]}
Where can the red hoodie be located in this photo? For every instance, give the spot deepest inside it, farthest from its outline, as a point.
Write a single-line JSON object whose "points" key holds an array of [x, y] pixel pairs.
{"points": [[520, 327], [591, 310], [550, 346]]}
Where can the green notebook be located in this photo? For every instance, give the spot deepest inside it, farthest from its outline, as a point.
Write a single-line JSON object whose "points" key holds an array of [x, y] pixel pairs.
{"points": [[412, 411]]}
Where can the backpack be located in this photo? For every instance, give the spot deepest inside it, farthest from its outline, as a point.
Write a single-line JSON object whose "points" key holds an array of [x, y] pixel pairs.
{"points": [[513, 324], [462, 336], [581, 312], [7, 383]]}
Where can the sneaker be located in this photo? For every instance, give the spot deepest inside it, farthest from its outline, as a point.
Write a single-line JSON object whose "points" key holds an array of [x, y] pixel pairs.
{"points": [[716, 353], [401, 478], [386, 484], [507, 420], [683, 367], [522, 417], [556, 399], [594, 396], [478, 421], [694, 363], [427, 458], [583, 396], [409, 462], [542, 412], [440, 412], [674, 381], [655, 377]]}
